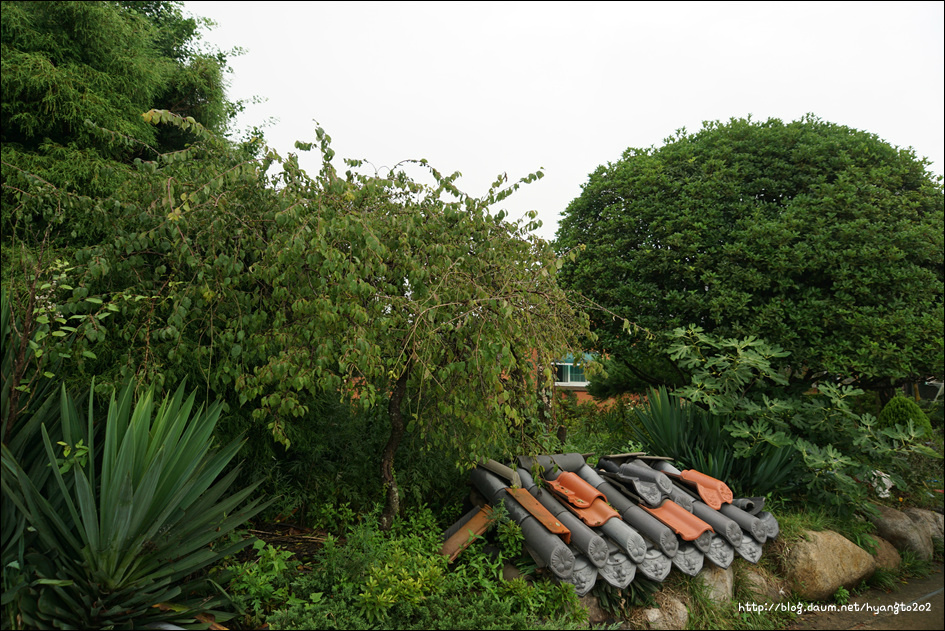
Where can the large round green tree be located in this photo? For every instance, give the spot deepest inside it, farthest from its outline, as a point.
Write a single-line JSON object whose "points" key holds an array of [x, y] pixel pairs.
{"points": [[822, 239]]}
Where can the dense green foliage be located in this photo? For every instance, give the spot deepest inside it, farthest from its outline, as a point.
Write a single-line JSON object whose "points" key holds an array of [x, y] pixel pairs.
{"points": [[177, 255], [697, 439], [320, 474], [149, 280], [737, 421], [85, 175], [591, 428], [834, 447], [76, 78], [619, 377], [819, 238], [398, 580], [382, 286], [379, 288], [935, 410], [262, 585]]}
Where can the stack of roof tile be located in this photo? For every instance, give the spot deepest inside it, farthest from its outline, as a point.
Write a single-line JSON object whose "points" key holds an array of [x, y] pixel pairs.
{"points": [[631, 514]]}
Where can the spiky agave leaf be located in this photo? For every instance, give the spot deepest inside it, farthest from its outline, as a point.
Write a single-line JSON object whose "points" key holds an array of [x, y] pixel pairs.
{"points": [[122, 538]]}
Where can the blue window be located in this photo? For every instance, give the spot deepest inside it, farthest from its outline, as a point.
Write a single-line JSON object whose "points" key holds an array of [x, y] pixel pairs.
{"points": [[570, 372]]}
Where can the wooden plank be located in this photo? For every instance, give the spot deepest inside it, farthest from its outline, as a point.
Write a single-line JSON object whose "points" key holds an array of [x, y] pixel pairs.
{"points": [[466, 534]]}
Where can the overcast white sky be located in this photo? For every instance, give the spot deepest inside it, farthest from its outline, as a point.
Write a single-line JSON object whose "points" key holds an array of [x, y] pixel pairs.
{"points": [[486, 88]]}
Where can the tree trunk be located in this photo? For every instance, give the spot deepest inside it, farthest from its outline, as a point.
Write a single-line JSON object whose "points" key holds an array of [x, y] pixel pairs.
{"points": [[392, 506]]}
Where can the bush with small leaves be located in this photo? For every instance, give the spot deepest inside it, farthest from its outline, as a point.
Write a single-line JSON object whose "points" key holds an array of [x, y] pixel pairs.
{"points": [[900, 411]]}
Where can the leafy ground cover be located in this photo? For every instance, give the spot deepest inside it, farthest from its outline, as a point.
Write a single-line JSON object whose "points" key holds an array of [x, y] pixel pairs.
{"points": [[368, 578]]}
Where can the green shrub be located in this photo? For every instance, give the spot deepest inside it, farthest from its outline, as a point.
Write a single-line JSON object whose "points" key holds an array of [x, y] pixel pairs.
{"points": [[512, 538], [841, 596], [398, 580], [318, 467], [835, 448], [507, 531], [901, 411], [405, 579], [129, 521], [320, 482], [261, 585]]}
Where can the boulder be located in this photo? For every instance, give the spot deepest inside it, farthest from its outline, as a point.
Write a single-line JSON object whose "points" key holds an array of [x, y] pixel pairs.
{"points": [[824, 561], [672, 613], [901, 531], [763, 586], [887, 557], [932, 522], [719, 583]]}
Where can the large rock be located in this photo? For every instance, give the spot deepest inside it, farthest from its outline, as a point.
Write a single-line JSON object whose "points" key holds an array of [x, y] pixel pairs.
{"points": [[719, 583], [822, 562], [672, 614], [887, 557], [932, 522], [901, 531], [762, 585]]}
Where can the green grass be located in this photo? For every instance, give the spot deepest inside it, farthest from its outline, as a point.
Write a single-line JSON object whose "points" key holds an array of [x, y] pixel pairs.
{"points": [[885, 579], [914, 566], [795, 517]]}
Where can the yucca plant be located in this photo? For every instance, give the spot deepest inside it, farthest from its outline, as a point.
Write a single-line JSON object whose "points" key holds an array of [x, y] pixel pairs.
{"points": [[697, 439], [29, 399], [667, 426], [130, 522]]}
